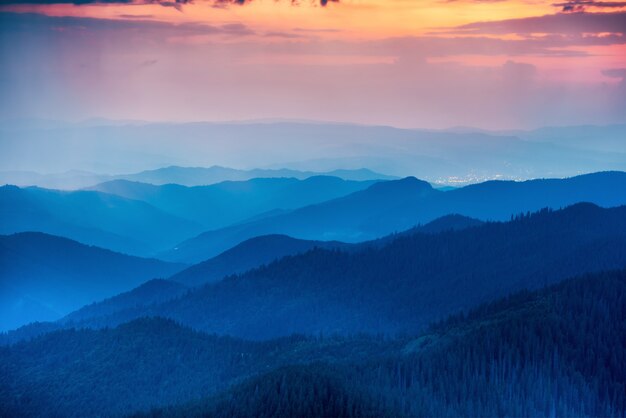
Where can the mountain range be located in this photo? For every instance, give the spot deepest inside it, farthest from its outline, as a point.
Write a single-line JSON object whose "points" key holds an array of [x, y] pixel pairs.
{"points": [[248, 255], [398, 205], [463, 157], [184, 176], [265, 249], [193, 224], [315, 297], [93, 218], [398, 286], [144, 220], [229, 202]]}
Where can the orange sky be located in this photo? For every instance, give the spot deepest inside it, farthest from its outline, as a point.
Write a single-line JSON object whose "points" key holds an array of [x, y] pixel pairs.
{"points": [[406, 59], [355, 18]]}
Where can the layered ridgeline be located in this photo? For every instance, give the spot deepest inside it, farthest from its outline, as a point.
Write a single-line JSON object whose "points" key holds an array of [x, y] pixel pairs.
{"points": [[245, 256], [555, 352], [464, 155], [185, 176], [229, 202], [265, 249], [142, 219], [199, 176], [392, 206], [44, 277], [93, 218], [395, 286]]}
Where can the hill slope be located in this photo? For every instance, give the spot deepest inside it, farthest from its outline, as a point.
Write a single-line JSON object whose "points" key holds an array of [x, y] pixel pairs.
{"points": [[60, 275], [248, 255], [148, 293]]}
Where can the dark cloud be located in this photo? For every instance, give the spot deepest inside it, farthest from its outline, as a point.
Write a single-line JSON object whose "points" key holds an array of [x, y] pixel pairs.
{"points": [[177, 4], [555, 46], [284, 35], [313, 30], [148, 63], [144, 31], [129, 16], [472, 1], [560, 23], [577, 6], [35, 24]]}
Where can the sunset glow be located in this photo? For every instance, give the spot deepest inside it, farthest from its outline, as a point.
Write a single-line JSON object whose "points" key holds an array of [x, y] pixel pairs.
{"points": [[177, 58]]}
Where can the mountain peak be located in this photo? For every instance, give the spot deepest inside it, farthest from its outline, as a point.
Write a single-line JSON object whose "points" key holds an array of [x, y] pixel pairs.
{"points": [[405, 185]]}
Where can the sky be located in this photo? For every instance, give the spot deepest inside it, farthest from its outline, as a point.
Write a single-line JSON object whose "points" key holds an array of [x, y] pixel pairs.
{"points": [[493, 64]]}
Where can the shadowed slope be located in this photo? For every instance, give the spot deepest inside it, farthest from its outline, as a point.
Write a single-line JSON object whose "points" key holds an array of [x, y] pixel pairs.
{"points": [[61, 275]]}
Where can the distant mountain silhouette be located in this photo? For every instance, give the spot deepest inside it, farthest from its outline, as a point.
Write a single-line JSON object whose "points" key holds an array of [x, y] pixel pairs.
{"points": [[436, 156], [93, 218], [199, 176], [608, 138], [68, 180], [185, 176], [498, 200], [342, 219], [402, 285], [398, 205], [557, 351], [50, 276], [225, 203]]}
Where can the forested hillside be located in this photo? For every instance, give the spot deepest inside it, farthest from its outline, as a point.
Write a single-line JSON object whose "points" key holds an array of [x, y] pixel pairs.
{"points": [[553, 352], [248, 255], [403, 285], [258, 251]]}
